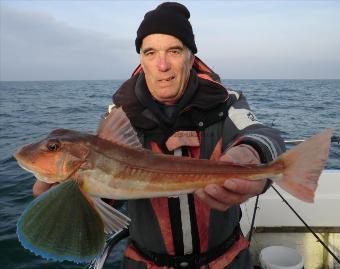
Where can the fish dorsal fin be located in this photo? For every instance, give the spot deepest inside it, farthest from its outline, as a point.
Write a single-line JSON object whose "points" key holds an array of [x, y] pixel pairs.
{"points": [[61, 224], [117, 128]]}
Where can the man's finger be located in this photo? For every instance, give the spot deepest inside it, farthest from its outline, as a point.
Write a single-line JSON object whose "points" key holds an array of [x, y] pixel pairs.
{"points": [[40, 187], [222, 195], [243, 186], [210, 201]]}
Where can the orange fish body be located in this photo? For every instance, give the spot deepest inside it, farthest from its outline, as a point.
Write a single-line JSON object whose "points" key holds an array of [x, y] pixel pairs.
{"points": [[114, 170], [113, 164]]}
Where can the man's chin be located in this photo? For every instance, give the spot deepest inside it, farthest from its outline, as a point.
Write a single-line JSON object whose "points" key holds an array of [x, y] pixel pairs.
{"points": [[169, 100]]}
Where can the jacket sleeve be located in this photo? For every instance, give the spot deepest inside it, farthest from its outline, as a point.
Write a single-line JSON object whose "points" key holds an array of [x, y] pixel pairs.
{"points": [[242, 127]]}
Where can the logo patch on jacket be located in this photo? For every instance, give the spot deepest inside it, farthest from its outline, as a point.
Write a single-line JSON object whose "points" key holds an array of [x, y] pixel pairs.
{"points": [[242, 118], [251, 116]]}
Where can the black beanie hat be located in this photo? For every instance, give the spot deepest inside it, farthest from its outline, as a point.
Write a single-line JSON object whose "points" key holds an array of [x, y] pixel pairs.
{"points": [[169, 18]]}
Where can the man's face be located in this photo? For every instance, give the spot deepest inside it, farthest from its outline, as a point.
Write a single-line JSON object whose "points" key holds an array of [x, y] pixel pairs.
{"points": [[166, 63]]}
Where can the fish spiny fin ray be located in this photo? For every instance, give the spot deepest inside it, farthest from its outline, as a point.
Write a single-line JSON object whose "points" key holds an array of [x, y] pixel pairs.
{"points": [[116, 127], [113, 220], [303, 166], [57, 231]]}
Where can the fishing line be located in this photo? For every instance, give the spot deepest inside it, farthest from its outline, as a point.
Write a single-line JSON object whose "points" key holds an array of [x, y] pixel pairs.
{"points": [[253, 219], [308, 227]]}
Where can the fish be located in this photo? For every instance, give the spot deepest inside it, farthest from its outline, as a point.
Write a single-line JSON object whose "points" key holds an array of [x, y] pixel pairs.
{"points": [[113, 164]]}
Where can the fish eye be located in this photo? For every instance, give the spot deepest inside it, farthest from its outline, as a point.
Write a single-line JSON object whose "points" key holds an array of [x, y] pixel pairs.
{"points": [[53, 145]]}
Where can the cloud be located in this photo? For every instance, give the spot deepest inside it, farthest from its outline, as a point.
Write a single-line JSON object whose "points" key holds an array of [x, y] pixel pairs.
{"points": [[272, 39], [244, 39], [36, 46]]}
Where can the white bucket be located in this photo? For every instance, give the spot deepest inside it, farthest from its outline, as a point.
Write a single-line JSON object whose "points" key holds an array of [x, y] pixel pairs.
{"points": [[280, 257]]}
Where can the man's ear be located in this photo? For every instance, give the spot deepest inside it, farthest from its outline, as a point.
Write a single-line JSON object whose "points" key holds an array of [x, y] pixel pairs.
{"points": [[140, 60], [192, 59]]}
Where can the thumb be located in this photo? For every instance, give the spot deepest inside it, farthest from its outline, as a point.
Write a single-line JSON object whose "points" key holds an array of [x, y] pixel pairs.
{"points": [[242, 154]]}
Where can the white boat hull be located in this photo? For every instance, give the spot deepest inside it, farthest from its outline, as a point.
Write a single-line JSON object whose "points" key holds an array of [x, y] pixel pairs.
{"points": [[273, 212], [276, 224]]}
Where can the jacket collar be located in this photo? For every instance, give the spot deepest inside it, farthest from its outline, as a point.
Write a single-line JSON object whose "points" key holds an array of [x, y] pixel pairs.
{"points": [[166, 114], [206, 96]]}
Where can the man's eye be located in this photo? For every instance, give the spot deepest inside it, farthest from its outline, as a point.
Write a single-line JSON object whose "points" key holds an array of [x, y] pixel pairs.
{"points": [[175, 52], [149, 53]]}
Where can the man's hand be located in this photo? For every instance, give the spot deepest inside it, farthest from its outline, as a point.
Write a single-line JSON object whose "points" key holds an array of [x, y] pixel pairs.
{"points": [[233, 191], [40, 187]]}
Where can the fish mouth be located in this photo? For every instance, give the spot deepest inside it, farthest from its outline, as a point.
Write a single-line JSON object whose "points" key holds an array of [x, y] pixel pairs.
{"points": [[22, 165], [39, 176], [44, 178]]}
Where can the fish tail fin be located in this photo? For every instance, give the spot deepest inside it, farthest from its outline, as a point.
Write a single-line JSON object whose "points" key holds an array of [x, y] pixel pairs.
{"points": [[62, 224], [303, 165]]}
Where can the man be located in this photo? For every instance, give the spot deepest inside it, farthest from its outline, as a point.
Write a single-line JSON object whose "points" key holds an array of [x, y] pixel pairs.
{"points": [[177, 106]]}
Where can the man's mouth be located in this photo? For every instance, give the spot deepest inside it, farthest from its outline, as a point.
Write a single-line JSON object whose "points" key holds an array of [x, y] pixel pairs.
{"points": [[167, 79]]}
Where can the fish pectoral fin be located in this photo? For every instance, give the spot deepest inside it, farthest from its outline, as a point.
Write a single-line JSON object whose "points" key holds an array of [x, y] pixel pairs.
{"points": [[111, 241], [113, 219], [61, 225]]}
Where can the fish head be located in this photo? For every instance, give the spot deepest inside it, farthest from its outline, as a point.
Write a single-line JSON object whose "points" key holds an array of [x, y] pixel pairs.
{"points": [[55, 158]]}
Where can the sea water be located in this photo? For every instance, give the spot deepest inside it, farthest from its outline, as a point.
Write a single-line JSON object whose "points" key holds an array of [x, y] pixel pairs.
{"points": [[30, 110]]}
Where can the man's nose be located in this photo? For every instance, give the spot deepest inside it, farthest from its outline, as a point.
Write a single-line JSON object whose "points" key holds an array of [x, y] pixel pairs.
{"points": [[163, 63]]}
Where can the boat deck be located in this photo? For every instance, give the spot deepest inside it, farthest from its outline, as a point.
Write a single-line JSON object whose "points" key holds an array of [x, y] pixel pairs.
{"points": [[315, 256]]}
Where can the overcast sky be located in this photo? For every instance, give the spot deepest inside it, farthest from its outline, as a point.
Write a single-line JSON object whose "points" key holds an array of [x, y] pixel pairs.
{"points": [[75, 40]]}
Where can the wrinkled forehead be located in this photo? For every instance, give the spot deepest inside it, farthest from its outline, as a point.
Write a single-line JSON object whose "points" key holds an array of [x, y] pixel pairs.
{"points": [[161, 42]]}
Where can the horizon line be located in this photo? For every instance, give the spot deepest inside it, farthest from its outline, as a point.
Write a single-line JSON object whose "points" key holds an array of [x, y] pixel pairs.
{"points": [[124, 79]]}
